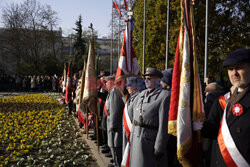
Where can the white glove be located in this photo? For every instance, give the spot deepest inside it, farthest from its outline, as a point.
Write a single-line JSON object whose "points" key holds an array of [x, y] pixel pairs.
{"points": [[197, 125]]}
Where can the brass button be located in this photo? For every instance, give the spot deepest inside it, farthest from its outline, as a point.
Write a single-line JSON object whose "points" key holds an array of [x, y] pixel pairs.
{"points": [[238, 130]]}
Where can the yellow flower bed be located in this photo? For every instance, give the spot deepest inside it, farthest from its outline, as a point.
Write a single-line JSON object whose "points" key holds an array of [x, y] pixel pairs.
{"points": [[24, 122]]}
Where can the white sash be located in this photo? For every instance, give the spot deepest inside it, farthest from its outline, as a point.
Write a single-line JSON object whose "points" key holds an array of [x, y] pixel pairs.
{"points": [[232, 155], [127, 125], [128, 121]]}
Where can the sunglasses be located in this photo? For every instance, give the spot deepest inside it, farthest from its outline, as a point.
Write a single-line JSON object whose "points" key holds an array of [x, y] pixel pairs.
{"points": [[147, 79]]}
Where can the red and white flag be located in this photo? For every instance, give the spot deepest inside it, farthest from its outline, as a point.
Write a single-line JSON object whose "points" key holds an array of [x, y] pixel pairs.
{"points": [[64, 79], [128, 64], [125, 4], [116, 7], [173, 108], [68, 85], [186, 103]]}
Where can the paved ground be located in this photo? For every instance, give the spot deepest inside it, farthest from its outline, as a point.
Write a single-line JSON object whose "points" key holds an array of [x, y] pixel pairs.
{"points": [[101, 160]]}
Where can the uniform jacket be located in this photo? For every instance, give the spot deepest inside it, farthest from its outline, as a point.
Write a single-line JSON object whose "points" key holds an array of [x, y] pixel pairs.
{"points": [[144, 140], [239, 127], [114, 120], [130, 102]]}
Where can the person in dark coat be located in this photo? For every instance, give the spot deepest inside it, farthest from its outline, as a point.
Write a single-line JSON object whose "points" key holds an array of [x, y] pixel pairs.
{"points": [[102, 94], [166, 82], [228, 120], [212, 91]]}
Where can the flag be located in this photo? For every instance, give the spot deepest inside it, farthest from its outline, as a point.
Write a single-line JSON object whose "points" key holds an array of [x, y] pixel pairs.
{"points": [[64, 79], [117, 8], [173, 108], [128, 64], [90, 85], [68, 85], [186, 103], [82, 80], [125, 4]]}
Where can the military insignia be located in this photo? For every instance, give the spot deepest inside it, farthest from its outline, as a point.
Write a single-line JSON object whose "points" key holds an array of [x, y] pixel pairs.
{"points": [[237, 109]]}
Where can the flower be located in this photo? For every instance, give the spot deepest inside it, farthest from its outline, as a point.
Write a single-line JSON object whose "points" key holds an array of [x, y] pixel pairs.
{"points": [[25, 121]]}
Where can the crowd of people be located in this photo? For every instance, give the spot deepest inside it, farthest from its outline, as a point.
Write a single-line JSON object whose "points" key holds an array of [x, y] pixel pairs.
{"points": [[133, 117], [132, 114], [31, 83]]}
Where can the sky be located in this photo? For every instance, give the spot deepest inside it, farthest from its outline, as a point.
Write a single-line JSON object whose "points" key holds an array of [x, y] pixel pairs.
{"points": [[97, 12]]}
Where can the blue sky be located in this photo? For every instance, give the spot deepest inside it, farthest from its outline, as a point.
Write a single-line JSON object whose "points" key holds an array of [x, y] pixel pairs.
{"points": [[97, 12]]}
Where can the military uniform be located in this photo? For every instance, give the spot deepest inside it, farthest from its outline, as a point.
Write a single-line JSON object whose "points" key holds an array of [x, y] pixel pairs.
{"points": [[115, 108], [150, 119], [130, 102]]}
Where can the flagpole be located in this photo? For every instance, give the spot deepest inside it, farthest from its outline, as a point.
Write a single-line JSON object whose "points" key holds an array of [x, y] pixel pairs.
{"points": [[70, 47], [97, 128], [119, 35], [87, 116], [144, 38], [111, 52], [87, 121], [96, 113], [206, 42], [167, 35]]}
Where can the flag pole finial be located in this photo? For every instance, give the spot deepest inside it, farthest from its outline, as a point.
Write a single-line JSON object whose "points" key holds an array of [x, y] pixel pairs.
{"points": [[92, 29], [130, 12]]}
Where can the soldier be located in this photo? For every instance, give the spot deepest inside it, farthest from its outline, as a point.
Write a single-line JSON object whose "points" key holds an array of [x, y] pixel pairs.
{"points": [[150, 123], [109, 83], [134, 86], [228, 121], [166, 80], [114, 123]]}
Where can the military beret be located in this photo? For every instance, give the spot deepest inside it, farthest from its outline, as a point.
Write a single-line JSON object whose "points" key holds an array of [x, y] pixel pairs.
{"points": [[238, 56], [103, 73], [153, 72], [131, 81], [167, 76], [135, 82], [109, 78]]}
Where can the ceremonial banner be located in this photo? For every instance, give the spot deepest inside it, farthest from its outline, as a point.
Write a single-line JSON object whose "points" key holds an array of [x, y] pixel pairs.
{"points": [[82, 80], [68, 85], [173, 108], [90, 86], [128, 64], [186, 103], [125, 4], [116, 7], [64, 79]]}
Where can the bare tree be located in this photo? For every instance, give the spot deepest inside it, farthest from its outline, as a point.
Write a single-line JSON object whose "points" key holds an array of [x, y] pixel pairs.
{"points": [[30, 34]]}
